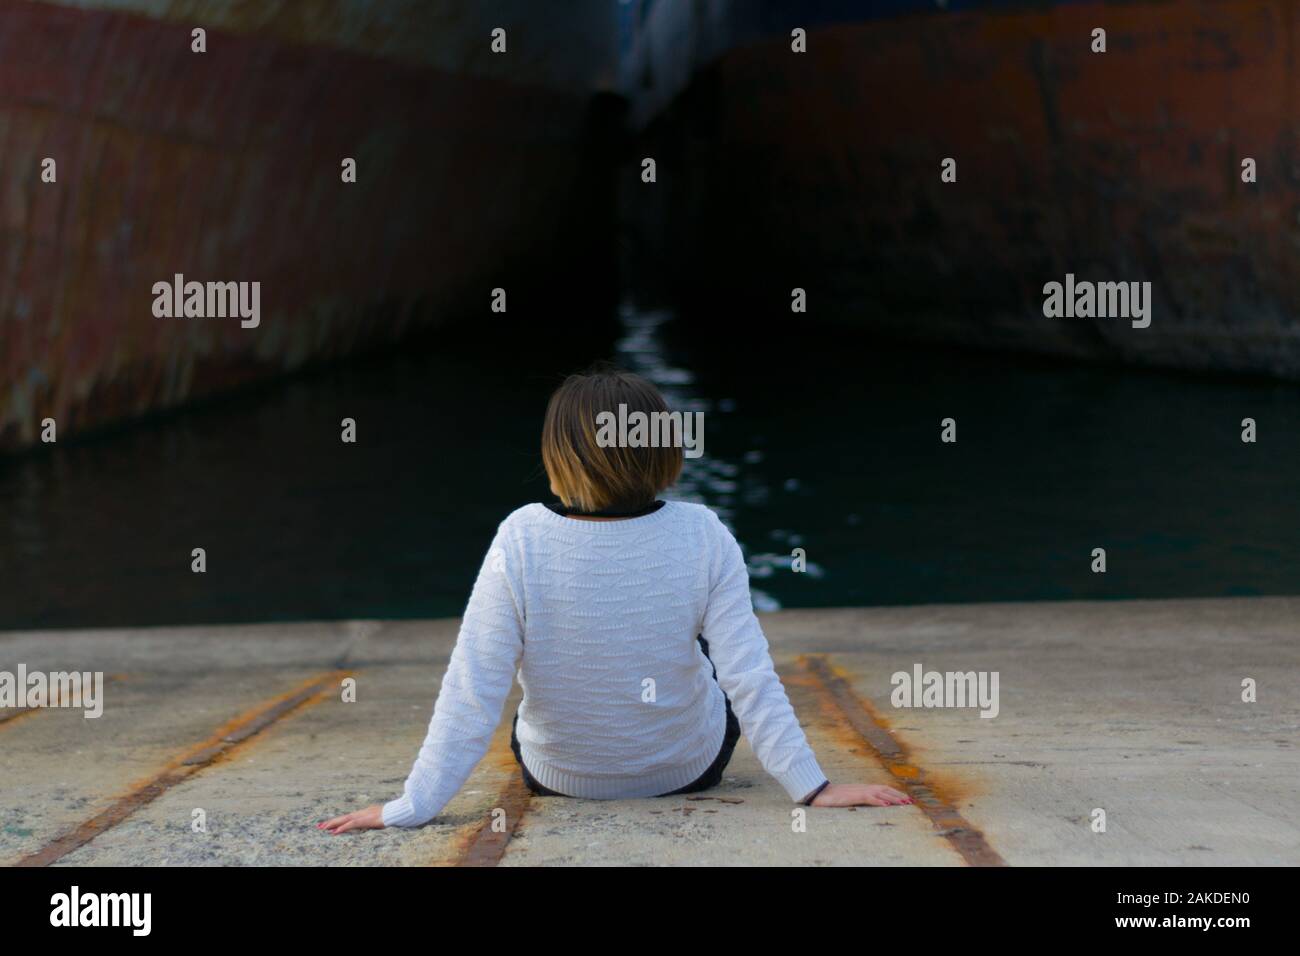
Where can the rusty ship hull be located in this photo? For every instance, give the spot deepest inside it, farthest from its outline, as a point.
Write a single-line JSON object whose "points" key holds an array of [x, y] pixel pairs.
{"points": [[822, 170], [473, 171]]}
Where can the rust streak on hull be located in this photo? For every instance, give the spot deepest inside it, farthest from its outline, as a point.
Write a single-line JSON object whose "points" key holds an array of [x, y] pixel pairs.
{"points": [[226, 167], [1123, 166]]}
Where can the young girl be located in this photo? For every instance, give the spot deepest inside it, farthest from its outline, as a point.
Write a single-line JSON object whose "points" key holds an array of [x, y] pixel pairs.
{"points": [[629, 622]]}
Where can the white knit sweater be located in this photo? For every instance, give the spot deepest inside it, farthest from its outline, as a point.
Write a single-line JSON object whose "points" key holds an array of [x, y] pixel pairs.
{"points": [[599, 618]]}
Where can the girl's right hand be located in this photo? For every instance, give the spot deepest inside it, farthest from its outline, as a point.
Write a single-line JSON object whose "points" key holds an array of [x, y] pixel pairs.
{"points": [[860, 795]]}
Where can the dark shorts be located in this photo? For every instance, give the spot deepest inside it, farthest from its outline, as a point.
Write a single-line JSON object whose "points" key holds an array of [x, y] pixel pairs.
{"points": [[711, 777]]}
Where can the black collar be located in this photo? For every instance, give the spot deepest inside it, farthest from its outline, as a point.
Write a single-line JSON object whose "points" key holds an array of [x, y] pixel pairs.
{"points": [[567, 512]]}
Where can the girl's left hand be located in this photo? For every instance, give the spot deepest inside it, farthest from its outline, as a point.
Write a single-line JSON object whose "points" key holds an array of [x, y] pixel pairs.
{"points": [[371, 818]]}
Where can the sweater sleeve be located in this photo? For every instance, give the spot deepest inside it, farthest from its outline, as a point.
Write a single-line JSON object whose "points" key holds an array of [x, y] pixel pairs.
{"points": [[740, 655], [474, 689]]}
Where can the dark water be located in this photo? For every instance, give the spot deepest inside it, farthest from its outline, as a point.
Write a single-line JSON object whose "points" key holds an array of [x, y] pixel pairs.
{"points": [[828, 445]]}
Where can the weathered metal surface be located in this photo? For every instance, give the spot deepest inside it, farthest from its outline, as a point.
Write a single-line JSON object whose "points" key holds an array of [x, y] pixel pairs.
{"points": [[822, 171], [226, 166], [576, 51], [222, 744]]}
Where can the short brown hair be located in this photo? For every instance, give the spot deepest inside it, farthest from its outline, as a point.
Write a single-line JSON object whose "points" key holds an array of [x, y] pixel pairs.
{"points": [[587, 476]]}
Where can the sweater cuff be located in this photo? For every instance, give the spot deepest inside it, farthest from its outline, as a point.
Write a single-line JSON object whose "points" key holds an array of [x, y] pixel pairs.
{"points": [[802, 778], [399, 813]]}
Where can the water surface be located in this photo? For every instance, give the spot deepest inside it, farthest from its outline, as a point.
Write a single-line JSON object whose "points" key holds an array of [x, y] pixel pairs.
{"points": [[829, 445]]}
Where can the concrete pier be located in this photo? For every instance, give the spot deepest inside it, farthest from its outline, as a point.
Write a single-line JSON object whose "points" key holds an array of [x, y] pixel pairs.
{"points": [[1134, 708]]}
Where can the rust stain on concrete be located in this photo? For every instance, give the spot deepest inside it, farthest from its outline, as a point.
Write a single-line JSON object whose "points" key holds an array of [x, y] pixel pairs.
{"points": [[229, 737], [13, 715], [479, 844], [936, 795], [17, 714], [486, 845]]}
